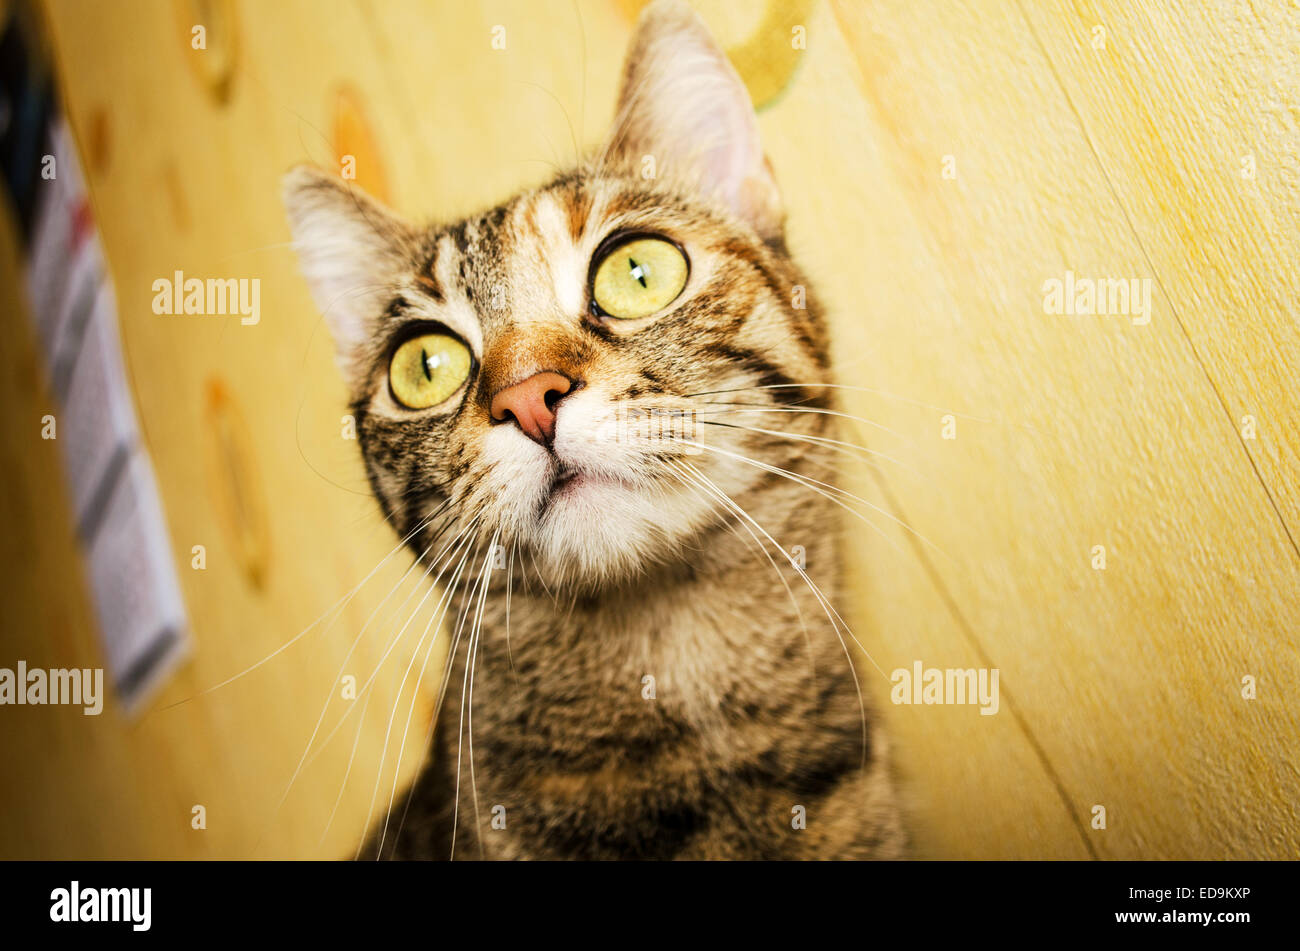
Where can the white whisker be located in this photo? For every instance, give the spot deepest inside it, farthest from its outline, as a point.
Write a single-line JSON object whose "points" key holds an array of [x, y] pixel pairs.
{"points": [[847, 448], [342, 667], [392, 643], [361, 722], [811, 410], [339, 604], [859, 389], [460, 730], [440, 608], [813, 484], [832, 615], [754, 542]]}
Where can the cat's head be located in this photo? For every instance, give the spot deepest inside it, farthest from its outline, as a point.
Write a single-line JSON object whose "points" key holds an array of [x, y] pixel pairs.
{"points": [[564, 370]]}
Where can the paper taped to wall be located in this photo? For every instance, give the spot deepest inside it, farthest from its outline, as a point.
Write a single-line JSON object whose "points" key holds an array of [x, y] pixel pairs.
{"points": [[115, 501]]}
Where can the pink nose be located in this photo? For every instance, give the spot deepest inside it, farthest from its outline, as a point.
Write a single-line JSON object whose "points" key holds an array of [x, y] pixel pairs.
{"points": [[532, 404]]}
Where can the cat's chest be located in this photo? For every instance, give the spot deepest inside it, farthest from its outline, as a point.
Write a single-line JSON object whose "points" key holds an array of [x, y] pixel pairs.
{"points": [[678, 664], [613, 720]]}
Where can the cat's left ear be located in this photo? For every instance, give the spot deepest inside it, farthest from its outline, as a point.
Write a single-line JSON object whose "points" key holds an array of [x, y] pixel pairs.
{"points": [[352, 251], [685, 114]]}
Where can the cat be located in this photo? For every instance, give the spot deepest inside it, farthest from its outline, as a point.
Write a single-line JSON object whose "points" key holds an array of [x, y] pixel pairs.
{"points": [[597, 413]]}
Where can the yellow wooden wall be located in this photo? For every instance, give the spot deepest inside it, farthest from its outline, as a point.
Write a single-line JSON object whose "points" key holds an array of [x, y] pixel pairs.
{"points": [[1120, 687]]}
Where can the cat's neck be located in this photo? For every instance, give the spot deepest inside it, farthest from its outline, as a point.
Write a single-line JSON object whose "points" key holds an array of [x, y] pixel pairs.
{"points": [[693, 634]]}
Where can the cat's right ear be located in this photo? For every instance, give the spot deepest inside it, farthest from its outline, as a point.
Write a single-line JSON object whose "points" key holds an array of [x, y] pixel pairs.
{"points": [[351, 250], [685, 113]]}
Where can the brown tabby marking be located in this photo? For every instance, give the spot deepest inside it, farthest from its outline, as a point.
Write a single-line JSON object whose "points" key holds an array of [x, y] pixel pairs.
{"points": [[625, 559]]}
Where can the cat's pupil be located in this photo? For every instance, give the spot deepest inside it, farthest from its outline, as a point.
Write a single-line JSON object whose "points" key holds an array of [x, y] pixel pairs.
{"points": [[424, 362], [638, 272]]}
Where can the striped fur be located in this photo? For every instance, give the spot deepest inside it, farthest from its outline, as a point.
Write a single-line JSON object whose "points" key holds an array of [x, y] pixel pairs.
{"points": [[644, 571]]}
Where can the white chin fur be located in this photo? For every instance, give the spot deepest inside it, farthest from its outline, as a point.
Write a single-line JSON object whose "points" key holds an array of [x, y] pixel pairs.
{"points": [[625, 512]]}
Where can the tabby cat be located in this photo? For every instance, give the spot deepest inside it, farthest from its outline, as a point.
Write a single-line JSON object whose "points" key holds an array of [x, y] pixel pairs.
{"points": [[599, 415]]}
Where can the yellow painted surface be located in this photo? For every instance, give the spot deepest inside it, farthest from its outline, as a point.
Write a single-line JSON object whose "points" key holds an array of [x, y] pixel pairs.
{"points": [[1120, 687]]}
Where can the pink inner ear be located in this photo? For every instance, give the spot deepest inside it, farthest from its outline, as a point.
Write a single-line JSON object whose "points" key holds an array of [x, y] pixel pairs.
{"points": [[684, 104], [715, 138], [731, 156]]}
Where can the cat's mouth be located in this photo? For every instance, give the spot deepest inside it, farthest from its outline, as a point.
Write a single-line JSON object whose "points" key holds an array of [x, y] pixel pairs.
{"points": [[566, 480], [564, 474]]}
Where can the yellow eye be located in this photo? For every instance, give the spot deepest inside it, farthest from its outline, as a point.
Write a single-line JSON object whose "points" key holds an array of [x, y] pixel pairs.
{"points": [[427, 370], [639, 277]]}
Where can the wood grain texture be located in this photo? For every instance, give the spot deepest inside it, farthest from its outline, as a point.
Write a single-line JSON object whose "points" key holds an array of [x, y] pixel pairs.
{"points": [[1120, 687], [1104, 432]]}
